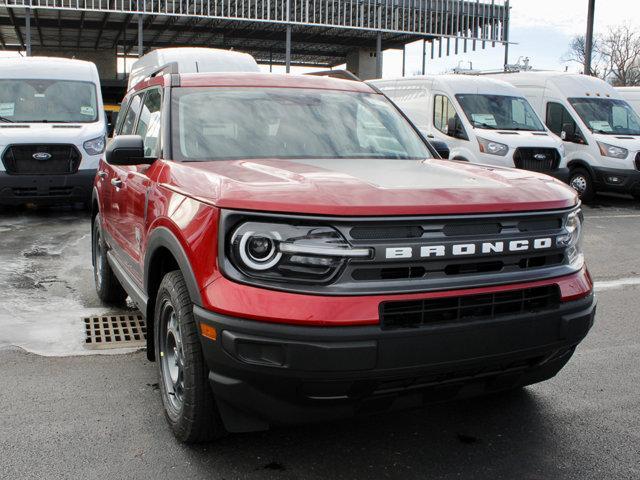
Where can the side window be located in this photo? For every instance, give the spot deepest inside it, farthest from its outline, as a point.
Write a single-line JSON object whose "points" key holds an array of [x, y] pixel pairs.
{"points": [[443, 110], [149, 123], [129, 121], [557, 116], [120, 117]]}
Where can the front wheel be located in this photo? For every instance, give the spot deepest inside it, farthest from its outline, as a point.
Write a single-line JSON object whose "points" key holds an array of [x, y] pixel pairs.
{"points": [[581, 181], [190, 408]]}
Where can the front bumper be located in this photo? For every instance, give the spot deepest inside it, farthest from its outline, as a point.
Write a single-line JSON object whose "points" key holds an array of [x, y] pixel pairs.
{"points": [[617, 180], [46, 189], [272, 374]]}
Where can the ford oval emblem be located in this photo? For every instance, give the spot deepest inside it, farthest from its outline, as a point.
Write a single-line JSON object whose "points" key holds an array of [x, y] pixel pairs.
{"points": [[540, 156], [41, 156]]}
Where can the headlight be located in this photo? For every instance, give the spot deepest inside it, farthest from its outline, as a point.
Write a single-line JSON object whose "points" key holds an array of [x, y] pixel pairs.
{"points": [[607, 150], [572, 239], [492, 148], [282, 252], [95, 146]]}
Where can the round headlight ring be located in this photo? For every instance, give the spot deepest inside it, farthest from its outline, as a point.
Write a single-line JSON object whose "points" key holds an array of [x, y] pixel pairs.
{"points": [[250, 260]]}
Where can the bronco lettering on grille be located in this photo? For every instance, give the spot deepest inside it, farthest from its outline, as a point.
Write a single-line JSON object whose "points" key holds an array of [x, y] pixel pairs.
{"points": [[472, 248]]}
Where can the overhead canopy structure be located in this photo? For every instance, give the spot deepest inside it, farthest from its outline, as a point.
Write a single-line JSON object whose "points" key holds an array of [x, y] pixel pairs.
{"points": [[321, 33]]}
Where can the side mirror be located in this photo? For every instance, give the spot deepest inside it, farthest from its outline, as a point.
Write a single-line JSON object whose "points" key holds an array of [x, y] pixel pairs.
{"points": [[454, 128], [126, 150], [441, 147], [568, 133]]}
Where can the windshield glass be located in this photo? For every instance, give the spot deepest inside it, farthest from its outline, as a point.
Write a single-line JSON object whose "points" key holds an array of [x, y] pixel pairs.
{"points": [[221, 123], [607, 116], [500, 112], [59, 101]]}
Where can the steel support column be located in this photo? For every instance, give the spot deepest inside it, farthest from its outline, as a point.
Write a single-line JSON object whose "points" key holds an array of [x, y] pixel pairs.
{"points": [[379, 55], [287, 55], [424, 56], [27, 30], [588, 44], [140, 36], [404, 59], [505, 35]]}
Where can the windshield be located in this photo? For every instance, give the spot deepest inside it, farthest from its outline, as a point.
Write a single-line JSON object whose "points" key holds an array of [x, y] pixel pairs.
{"points": [[500, 112], [607, 116], [59, 101], [221, 123]]}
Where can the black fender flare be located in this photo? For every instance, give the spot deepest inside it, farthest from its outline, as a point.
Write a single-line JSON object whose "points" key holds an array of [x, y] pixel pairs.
{"points": [[162, 237], [573, 164]]}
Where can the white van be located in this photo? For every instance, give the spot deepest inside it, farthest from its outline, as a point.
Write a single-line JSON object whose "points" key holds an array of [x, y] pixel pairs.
{"points": [[191, 60], [52, 130], [601, 131], [482, 120], [632, 96]]}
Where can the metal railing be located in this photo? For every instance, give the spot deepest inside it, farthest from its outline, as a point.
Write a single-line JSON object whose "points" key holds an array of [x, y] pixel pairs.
{"points": [[466, 19]]}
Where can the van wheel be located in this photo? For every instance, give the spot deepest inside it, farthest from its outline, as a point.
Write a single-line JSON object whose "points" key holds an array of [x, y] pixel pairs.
{"points": [[108, 287], [581, 181], [189, 405]]}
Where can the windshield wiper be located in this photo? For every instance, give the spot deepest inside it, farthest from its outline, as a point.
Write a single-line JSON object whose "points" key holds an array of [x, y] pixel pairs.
{"points": [[485, 126], [5, 119]]}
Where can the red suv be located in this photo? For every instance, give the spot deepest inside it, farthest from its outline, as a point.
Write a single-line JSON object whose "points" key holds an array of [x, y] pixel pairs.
{"points": [[301, 254]]}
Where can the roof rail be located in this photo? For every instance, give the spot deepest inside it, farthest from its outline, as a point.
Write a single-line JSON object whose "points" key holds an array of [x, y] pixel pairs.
{"points": [[171, 67], [343, 74]]}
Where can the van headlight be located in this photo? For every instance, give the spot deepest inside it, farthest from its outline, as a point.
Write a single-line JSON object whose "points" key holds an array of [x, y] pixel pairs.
{"points": [[95, 146], [282, 252], [612, 151], [492, 148], [571, 240]]}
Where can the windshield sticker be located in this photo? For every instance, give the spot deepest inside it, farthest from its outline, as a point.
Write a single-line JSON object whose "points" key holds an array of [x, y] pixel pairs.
{"points": [[485, 118], [39, 95], [7, 109], [84, 110], [601, 125]]}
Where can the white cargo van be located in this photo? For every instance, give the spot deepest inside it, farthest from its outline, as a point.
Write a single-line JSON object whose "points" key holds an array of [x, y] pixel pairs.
{"points": [[192, 60], [482, 120], [601, 131], [632, 96], [52, 130]]}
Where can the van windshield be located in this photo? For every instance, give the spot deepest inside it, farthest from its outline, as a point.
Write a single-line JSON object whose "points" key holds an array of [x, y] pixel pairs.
{"points": [[211, 123], [499, 112], [607, 116], [47, 101]]}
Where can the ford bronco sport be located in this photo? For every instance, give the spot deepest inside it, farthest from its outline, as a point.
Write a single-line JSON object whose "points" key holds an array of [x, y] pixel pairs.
{"points": [[301, 254]]}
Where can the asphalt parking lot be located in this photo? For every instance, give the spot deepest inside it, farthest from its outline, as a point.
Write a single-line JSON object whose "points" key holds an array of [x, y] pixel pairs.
{"points": [[67, 414]]}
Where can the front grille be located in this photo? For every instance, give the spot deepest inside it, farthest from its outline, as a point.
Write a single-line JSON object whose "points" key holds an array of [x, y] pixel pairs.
{"points": [[469, 307], [638, 161], [525, 159], [19, 160]]}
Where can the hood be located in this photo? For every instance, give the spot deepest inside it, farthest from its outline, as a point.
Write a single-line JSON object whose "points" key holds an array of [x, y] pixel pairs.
{"points": [[518, 138], [75, 133], [630, 142], [365, 187]]}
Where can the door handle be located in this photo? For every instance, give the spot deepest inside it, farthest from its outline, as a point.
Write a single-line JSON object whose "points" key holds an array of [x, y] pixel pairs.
{"points": [[102, 174], [431, 136], [116, 182]]}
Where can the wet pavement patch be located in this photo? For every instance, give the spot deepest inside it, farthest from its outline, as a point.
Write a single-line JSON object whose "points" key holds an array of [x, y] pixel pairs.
{"points": [[115, 331]]}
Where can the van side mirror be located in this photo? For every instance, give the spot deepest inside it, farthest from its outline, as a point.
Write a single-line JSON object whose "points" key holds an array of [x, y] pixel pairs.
{"points": [[441, 147], [568, 133], [126, 150], [454, 128]]}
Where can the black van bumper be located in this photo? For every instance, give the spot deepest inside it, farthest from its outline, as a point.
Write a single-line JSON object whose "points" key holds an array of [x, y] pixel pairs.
{"points": [[46, 189]]}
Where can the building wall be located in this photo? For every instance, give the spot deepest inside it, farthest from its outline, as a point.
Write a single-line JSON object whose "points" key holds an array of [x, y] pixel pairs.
{"points": [[362, 63]]}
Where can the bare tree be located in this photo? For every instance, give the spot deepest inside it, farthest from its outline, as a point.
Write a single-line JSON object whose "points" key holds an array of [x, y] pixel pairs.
{"points": [[616, 55]]}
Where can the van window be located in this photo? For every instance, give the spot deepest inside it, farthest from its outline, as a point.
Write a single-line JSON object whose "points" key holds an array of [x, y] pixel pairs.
{"points": [[48, 101], [499, 112], [557, 116], [443, 110], [149, 124], [129, 122], [607, 116]]}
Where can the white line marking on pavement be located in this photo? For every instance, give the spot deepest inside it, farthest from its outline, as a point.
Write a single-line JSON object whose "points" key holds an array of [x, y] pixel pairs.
{"points": [[589, 217], [616, 284]]}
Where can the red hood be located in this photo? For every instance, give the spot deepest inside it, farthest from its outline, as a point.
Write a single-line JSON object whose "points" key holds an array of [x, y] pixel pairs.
{"points": [[365, 187]]}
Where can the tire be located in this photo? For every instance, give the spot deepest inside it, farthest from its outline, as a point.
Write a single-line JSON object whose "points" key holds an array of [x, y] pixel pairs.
{"points": [[580, 180], [189, 405], [108, 287]]}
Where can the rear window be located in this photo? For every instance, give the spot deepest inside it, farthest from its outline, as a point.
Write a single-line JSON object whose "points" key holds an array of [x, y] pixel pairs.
{"points": [[223, 123]]}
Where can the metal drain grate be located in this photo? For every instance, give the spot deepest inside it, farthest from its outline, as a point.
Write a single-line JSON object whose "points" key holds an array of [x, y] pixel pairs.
{"points": [[115, 331]]}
